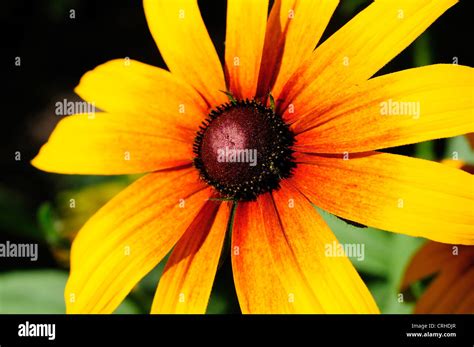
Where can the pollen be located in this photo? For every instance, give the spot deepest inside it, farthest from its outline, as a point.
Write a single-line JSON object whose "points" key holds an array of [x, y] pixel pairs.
{"points": [[244, 149]]}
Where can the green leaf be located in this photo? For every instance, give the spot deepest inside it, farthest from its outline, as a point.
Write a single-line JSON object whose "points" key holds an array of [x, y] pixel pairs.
{"points": [[16, 217], [386, 257], [35, 291], [350, 7], [128, 307], [39, 291], [403, 249], [458, 148], [422, 50], [425, 150], [48, 223], [376, 244], [217, 304]]}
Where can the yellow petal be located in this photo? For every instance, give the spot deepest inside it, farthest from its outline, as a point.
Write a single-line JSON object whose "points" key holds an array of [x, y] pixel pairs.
{"points": [[184, 43], [111, 144], [128, 86], [293, 31], [282, 265], [305, 240], [257, 284], [127, 237], [392, 192], [357, 51], [397, 109], [245, 35], [186, 283]]}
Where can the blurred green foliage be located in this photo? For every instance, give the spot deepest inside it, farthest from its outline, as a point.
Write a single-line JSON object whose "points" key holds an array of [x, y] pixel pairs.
{"points": [[40, 291], [386, 256]]}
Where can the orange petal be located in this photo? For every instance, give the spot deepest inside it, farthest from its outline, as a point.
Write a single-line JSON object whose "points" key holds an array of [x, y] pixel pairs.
{"points": [[258, 286], [304, 239], [357, 51], [470, 137], [293, 31], [397, 109], [128, 86], [186, 283], [245, 35], [449, 289], [467, 304], [111, 144], [181, 36], [127, 237], [282, 265], [392, 192], [428, 260]]}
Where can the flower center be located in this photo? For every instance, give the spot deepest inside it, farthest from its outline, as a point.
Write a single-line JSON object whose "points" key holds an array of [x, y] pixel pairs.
{"points": [[244, 149]]}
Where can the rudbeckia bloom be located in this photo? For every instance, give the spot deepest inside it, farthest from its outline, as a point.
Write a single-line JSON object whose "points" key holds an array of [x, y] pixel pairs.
{"points": [[313, 117], [452, 266], [452, 269]]}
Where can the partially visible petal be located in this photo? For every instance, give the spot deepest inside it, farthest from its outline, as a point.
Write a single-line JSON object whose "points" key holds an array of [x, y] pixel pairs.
{"points": [[258, 286], [113, 144], [357, 51], [450, 289], [467, 304], [397, 109], [293, 31], [128, 86], [245, 35], [186, 283], [303, 243], [392, 192], [470, 137], [282, 265], [427, 261], [184, 43], [127, 237]]}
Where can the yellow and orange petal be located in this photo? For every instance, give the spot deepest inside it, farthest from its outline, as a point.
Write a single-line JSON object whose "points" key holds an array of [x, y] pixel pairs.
{"points": [[149, 125], [280, 263], [184, 43], [144, 91], [245, 35], [392, 110], [293, 31], [356, 52], [391, 192], [451, 289], [112, 144], [186, 283], [127, 237]]}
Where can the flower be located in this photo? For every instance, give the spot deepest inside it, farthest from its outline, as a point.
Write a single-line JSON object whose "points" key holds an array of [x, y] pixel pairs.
{"points": [[453, 269], [315, 119]]}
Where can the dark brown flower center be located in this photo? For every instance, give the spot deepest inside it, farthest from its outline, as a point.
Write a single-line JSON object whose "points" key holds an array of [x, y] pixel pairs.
{"points": [[244, 149]]}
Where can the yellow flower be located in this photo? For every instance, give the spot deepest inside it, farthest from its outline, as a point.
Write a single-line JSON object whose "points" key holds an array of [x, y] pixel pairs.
{"points": [[315, 120], [451, 265]]}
